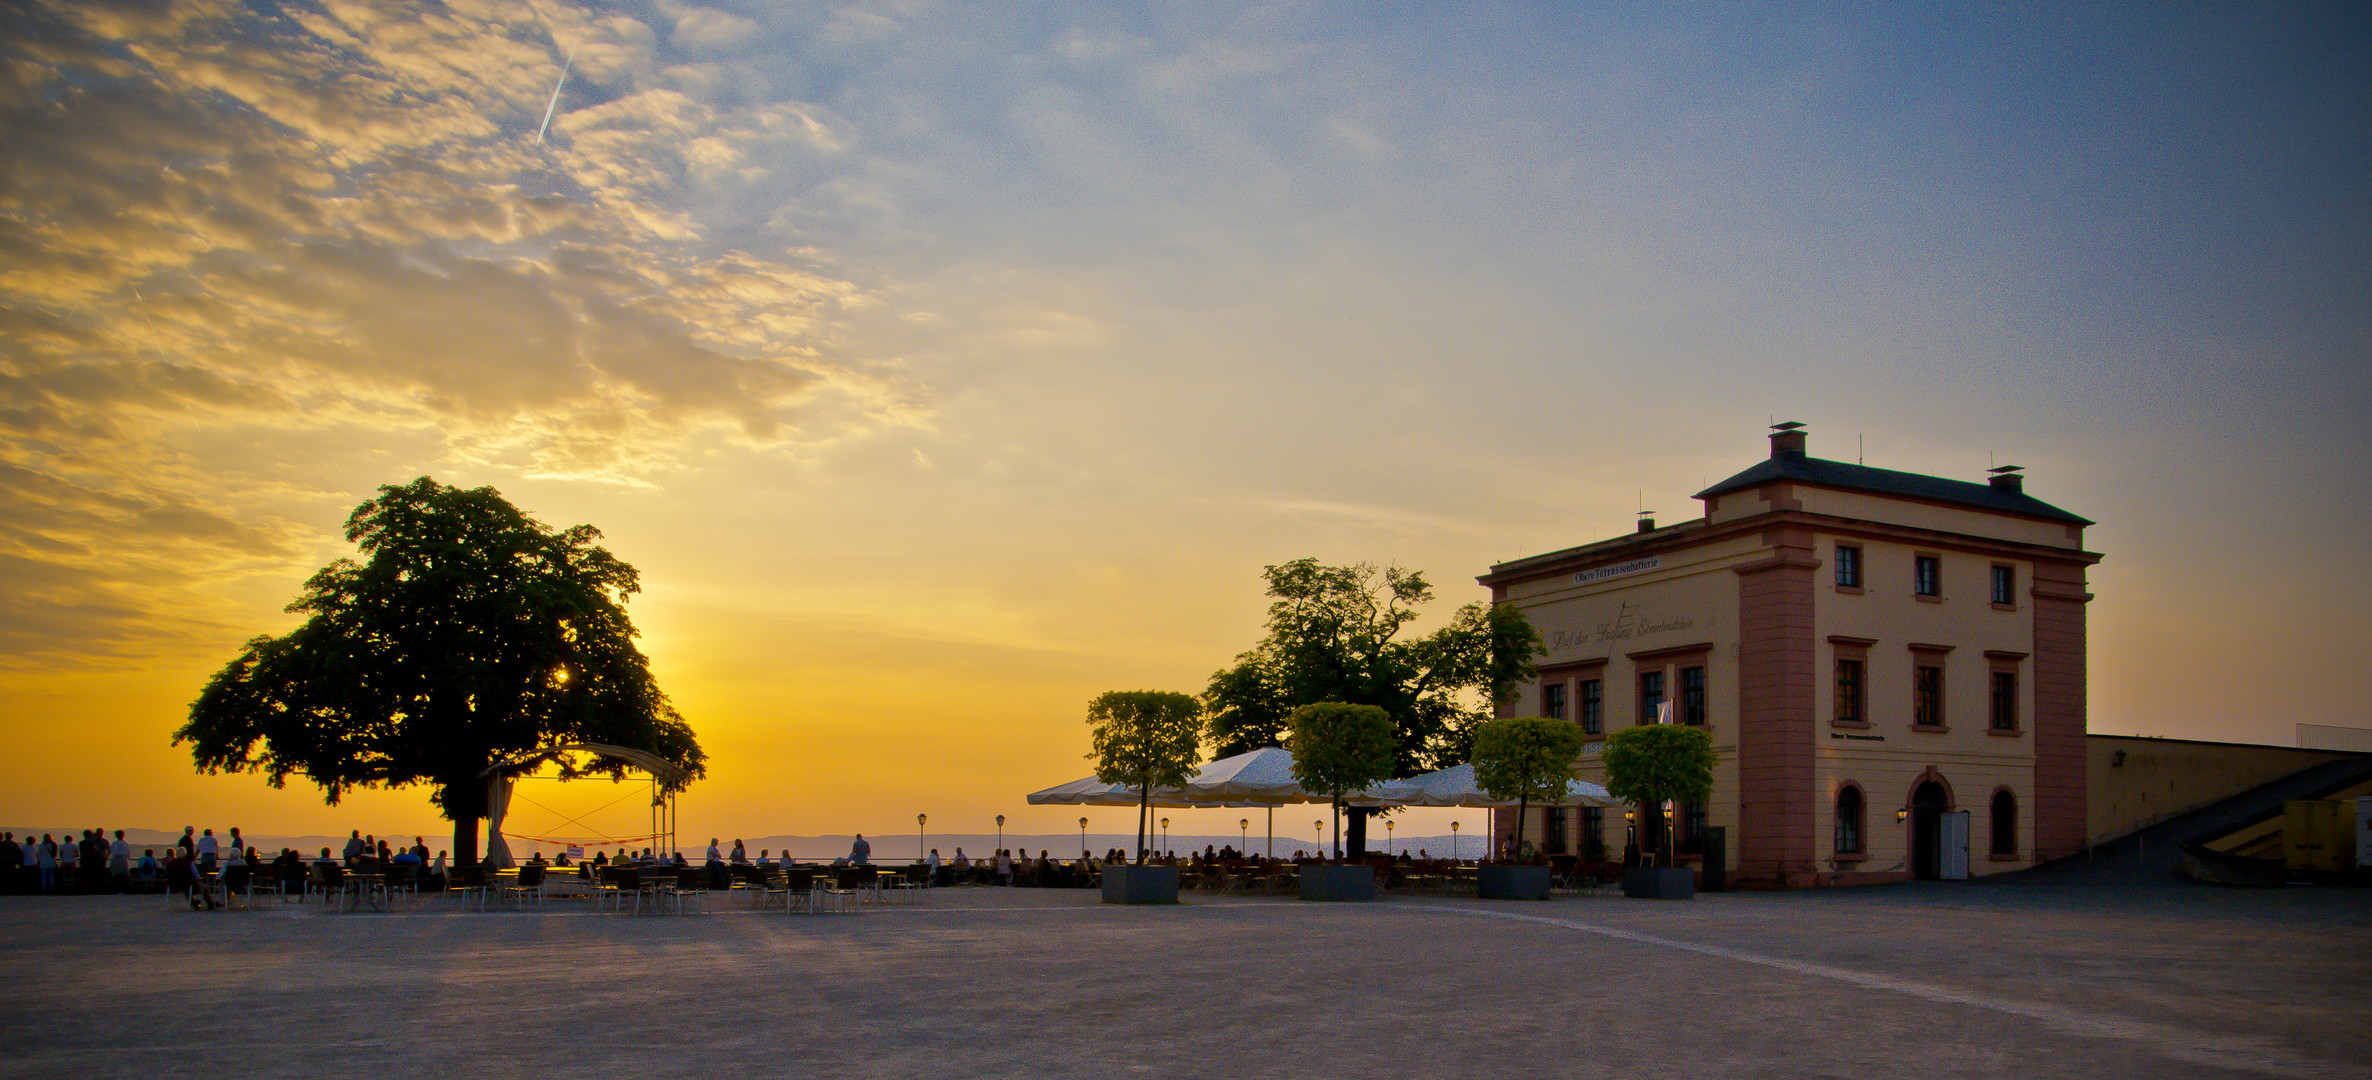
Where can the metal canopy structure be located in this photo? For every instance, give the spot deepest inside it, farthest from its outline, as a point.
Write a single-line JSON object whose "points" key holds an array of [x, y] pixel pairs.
{"points": [[666, 778]]}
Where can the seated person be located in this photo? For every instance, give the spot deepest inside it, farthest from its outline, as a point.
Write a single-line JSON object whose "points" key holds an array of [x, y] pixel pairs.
{"points": [[147, 868]]}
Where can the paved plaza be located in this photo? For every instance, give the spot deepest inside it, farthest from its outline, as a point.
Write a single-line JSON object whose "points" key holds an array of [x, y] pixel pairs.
{"points": [[1929, 980]]}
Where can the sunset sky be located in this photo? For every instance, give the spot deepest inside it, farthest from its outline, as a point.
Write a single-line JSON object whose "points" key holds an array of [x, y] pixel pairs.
{"points": [[941, 366]]}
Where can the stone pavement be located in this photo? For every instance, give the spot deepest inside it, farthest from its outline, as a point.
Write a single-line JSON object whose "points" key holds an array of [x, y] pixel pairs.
{"points": [[1926, 980]]}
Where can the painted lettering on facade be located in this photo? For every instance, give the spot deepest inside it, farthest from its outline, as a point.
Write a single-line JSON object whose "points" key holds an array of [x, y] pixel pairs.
{"points": [[1630, 621]]}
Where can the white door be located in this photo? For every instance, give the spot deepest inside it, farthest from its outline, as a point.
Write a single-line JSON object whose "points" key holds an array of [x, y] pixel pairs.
{"points": [[1952, 846]]}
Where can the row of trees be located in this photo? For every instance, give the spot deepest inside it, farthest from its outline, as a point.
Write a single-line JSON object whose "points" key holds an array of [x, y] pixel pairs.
{"points": [[471, 634]]}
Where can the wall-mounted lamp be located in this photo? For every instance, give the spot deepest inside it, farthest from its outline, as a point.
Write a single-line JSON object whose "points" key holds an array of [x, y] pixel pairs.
{"points": [[1901, 816], [2116, 759]]}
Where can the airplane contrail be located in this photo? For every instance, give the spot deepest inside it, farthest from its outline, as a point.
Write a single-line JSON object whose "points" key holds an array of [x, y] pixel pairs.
{"points": [[539, 132]]}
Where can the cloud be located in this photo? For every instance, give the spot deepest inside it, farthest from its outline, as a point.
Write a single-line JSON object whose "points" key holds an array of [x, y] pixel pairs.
{"points": [[329, 230]]}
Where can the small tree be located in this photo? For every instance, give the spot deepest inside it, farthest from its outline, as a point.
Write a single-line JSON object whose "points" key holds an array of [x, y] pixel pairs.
{"points": [[1525, 758], [1145, 739], [1339, 749], [1657, 763]]}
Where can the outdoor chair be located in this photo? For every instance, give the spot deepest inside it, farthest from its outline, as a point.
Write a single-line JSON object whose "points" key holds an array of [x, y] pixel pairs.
{"points": [[401, 882], [235, 882], [470, 882], [897, 883], [770, 891], [690, 885], [322, 879], [840, 890], [529, 885], [628, 890], [800, 888]]}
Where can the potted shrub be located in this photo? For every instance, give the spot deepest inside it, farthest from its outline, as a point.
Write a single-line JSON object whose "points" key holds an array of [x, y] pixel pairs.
{"points": [[1144, 739], [1650, 765], [1528, 759], [1339, 749]]}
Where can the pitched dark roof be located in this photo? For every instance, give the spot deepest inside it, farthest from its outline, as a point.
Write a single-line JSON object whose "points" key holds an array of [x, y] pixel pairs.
{"points": [[1838, 474]]}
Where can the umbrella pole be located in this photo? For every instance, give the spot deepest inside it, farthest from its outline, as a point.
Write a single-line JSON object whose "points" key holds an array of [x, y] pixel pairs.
{"points": [[1272, 832]]}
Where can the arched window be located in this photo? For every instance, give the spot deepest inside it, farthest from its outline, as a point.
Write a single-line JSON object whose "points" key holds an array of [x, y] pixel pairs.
{"points": [[1849, 821], [2005, 823]]}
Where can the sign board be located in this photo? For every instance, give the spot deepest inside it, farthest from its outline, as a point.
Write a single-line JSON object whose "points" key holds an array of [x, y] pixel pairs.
{"points": [[1952, 846], [1618, 569]]}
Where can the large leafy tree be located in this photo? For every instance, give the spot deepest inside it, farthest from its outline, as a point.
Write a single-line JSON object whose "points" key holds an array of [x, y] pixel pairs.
{"points": [[1525, 758], [1654, 764], [1338, 749], [469, 631], [1145, 739], [1335, 633]]}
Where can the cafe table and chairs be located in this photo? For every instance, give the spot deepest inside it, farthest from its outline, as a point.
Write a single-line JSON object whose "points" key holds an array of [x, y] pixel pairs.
{"points": [[363, 884]]}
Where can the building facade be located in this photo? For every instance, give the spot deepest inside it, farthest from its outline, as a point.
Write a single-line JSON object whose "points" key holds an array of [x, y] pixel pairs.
{"points": [[1891, 666]]}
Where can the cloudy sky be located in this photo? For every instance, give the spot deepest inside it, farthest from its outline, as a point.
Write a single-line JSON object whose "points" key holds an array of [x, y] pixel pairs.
{"points": [[943, 365]]}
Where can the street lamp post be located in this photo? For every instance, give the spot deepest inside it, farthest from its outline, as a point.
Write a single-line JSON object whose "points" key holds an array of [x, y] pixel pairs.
{"points": [[920, 820], [1320, 825], [1000, 832], [1165, 836], [1453, 841], [1388, 837], [1243, 835], [1082, 837]]}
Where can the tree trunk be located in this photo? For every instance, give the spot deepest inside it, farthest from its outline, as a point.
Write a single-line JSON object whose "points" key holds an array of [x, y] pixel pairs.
{"points": [[1144, 808], [1337, 804], [1358, 838], [465, 841], [1516, 854]]}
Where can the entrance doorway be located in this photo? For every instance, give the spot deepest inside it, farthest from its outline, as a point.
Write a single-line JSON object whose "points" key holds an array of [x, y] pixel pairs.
{"points": [[1928, 804]]}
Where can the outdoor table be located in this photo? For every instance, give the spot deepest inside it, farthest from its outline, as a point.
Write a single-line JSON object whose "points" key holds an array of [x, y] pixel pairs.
{"points": [[365, 887]]}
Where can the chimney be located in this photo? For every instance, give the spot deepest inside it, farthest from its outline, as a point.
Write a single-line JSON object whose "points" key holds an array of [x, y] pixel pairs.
{"points": [[1787, 440], [2007, 478], [1646, 523]]}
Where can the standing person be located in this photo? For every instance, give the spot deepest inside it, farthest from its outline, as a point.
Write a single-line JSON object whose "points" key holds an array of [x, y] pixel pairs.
{"points": [[47, 863], [860, 852], [238, 843], [188, 842], [119, 862], [65, 860], [209, 850], [12, 856], [420, 847], [354, 846]]}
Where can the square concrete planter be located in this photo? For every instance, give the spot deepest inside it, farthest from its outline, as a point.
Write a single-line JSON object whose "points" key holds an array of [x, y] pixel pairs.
{"points": [[1140, 884], [1660, 883], [1323, 882], [1511, 882]]}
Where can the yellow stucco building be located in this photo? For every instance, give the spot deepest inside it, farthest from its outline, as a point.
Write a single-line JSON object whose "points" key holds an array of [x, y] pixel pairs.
{"points": [[1890, 664]]}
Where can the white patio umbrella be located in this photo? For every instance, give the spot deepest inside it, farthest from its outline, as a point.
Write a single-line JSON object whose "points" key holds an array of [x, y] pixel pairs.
{"points": [[1455, 786], [1093, 792]]}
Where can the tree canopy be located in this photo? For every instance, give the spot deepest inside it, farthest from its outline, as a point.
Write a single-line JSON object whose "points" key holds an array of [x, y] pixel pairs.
{"points": [[1340, 748], [1334, 634], [1145, 739], [1652, 764], [1525, 758], [471, 630]]}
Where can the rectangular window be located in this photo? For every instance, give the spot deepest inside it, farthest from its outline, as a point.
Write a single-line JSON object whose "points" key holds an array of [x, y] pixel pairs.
{"points": [[1927, 696], [1927, 575], [2005, 701], [1692, 696], [1849, 692], [1593, 833], [1848, 566], [1593, 707], [1692, 828], [1651, 695], [1552, 700], [1552, 831], [2005, 584]]}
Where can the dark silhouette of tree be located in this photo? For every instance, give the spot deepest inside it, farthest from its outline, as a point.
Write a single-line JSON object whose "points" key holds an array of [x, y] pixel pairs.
{"points": [[471, 631]]}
